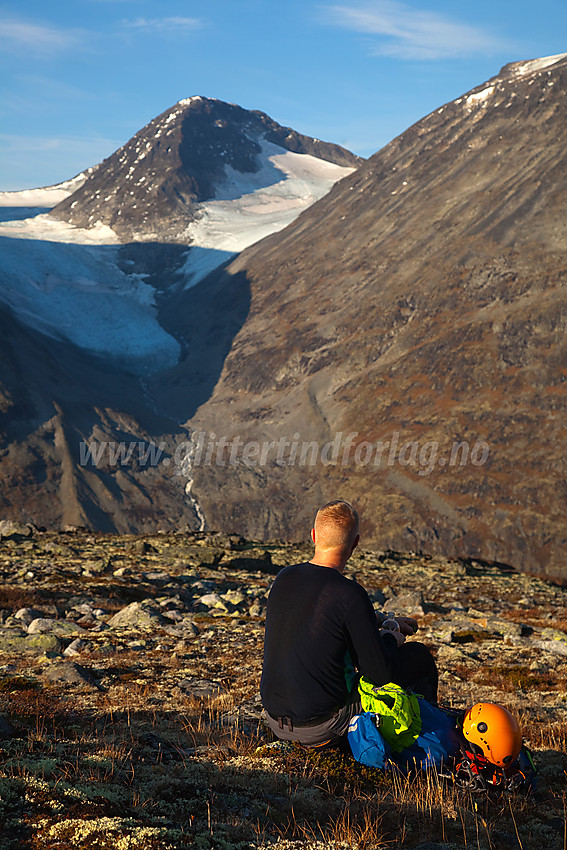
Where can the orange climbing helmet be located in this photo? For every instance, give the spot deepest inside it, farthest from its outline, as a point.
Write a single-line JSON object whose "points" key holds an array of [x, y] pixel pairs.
{"points": [[495, 731]]}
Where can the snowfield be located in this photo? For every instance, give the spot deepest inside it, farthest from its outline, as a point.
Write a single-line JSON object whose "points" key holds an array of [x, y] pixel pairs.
{"points": [[46, 197], [65, 282], [248, 207]]}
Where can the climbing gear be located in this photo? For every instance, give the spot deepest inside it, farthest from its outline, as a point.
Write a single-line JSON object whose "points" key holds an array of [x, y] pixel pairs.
{"points": [[491, 731], [493, 756], [475, 773]]}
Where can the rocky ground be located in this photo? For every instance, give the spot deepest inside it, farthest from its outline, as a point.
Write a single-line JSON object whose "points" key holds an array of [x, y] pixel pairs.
{"points": [[129, 674]]}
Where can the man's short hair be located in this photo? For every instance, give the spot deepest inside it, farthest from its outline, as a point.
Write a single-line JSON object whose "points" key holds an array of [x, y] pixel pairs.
{"points": [[336, 525]]}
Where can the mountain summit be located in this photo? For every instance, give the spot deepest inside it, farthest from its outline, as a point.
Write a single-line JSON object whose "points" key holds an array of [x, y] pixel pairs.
{"points": [[151, 186]]}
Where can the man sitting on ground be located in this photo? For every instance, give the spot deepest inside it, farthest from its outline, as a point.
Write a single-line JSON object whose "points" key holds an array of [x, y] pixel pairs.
{"points": [[322, 634]]}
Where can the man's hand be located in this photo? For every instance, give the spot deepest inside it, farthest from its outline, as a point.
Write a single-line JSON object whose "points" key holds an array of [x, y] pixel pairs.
{"points": [[400, 637], [408, 626]]}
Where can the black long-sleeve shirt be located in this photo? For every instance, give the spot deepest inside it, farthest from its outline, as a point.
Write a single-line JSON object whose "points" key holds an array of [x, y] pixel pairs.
{"points": [[318, 620]]}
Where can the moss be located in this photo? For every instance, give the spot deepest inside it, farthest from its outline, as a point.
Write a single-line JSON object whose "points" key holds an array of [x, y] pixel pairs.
{"points": [[9, 684], [520, 677]]}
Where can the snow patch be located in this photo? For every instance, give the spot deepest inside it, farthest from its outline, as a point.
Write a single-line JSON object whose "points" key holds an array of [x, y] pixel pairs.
{"points": [[187, 100], [479, 97], [521, 69]]}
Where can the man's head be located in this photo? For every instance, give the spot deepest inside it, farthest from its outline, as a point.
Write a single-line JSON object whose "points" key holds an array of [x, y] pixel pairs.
{"points": [[335, 533]]}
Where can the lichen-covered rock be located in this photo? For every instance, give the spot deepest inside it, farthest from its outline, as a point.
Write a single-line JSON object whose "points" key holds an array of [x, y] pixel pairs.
{"points": [[45, 625], [38, 644], [76, 647], [137, 615], [26, 615], [11, 530], [212, 600], [554, 634], [556, 647], [69, 673]]}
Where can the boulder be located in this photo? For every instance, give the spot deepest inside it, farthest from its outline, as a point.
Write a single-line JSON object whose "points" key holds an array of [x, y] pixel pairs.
{"points": [[137, 615], [10, 530], [62, 628], [38, 644], [69, 673], [27, 615]]}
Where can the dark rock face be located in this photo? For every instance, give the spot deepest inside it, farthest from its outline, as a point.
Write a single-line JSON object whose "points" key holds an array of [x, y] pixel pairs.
{"points": [[57, 398], [149, 187], [421, 302]]}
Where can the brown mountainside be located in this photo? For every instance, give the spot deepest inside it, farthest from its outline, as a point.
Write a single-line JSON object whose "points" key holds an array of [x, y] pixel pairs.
{"points": [[421, 301]]}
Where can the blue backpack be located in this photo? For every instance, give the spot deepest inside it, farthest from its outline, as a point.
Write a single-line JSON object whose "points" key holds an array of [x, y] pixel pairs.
{"points": [[436, 745]]}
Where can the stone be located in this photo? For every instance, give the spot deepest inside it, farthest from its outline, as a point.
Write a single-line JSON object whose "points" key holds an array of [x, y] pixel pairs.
{"points": [[76, 647], [556, 647], [257, 609], [261, 562], [173, 615], [181, 631], [142, 547], [506, 628], [137, 645], [449, 654], [62, 628], [212, 600], [235, 597], [553, 634], [39, 644], [98, 567], [202, 555], [10, 530], [137, 614], [199, 687], [27, 615], [69, 673], [408, 604]]}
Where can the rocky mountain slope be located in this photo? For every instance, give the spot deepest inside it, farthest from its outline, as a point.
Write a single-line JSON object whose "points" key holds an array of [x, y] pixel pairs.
{"points": [[421, 305], [129, 675]]}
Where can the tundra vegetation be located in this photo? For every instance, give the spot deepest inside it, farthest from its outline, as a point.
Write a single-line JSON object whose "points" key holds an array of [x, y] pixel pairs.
{"points": [[129, 674]]}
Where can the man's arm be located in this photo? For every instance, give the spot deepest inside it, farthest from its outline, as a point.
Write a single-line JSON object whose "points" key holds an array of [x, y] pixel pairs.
{"points": [[375, 652]]}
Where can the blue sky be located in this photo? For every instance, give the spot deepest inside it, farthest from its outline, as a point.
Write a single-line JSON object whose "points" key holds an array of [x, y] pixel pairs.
{"points": [[80, 77]]}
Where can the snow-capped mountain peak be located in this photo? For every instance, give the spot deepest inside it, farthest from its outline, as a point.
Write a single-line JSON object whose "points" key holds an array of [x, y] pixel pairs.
{"points": [[149, 188], [211, 177]]}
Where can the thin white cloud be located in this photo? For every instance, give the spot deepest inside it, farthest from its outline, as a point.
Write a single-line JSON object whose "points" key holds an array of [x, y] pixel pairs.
{"points": [[18, 35], [175, 24], [13, 143], [408, 33]]}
